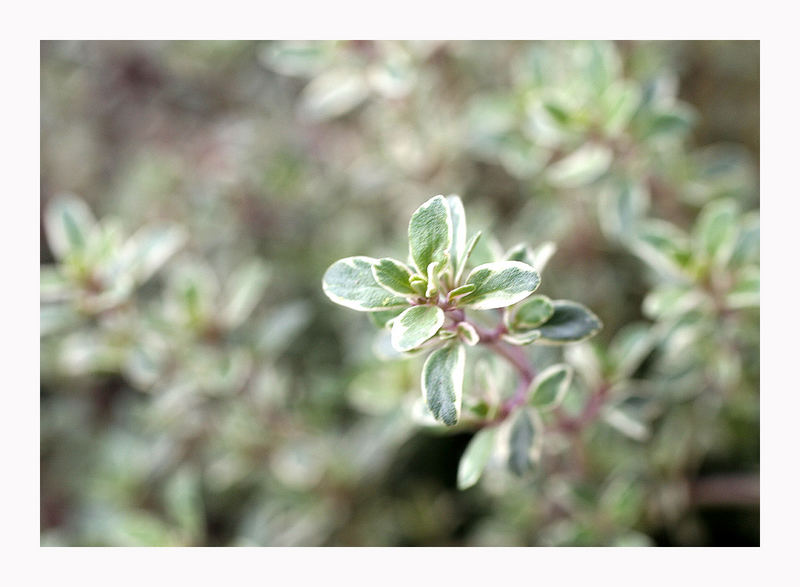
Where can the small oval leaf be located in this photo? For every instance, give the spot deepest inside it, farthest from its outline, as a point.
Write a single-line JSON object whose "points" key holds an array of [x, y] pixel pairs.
{"points": [[416, 325], [500, 284], [430, 233], [350, 282], [570, 322], [443, 381], [550, 386], [475, 457]]}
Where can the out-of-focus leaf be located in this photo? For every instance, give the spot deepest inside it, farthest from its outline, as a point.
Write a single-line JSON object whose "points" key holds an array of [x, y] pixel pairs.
{"points": [[570, 322], [333, 93], [475, 458], [621, 207], [746, 291], [548, 389], [243, 290], [468, 334], [716, 230], [581, 167], [524, 441], [149, 248], [68, 222], [458, 219]]}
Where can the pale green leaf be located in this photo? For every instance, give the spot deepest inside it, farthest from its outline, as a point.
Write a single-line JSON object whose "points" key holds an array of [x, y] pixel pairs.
{"points": [[500, 284], [462, 263], [150, 248], [468, 334], [350, 282], [393, 276], [68, 222], [475, 457], [570, 322], [333, 94], [416, 325], [443, 381], [522, 338], [542, 254], [524, 441], [430, 234], [531, 313], [243, 290], [716, 230], [581, 167], [550, 386], [746, 291]]}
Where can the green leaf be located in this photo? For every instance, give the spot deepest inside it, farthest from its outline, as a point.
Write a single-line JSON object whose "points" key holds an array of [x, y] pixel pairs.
{"points": [[500, 284], [460, 291], [531, 313], [333, 94], [570, 322], [542, 254], [150, 248], [443, 381], [520, 252], [663, 246], [522, 338], [550, 386], [468, 334], [350, 282], [430, 234], [475, 457], [462, 263], [716, 230], [68, 222], [243, 290], [415, 326], [459, 221], [621, 207], [393, 276], [581, 167], [746, 291], [524, 441]]}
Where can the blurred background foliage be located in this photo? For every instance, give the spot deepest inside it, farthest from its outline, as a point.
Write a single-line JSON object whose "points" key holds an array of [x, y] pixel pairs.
{"points": [[197, 388]]}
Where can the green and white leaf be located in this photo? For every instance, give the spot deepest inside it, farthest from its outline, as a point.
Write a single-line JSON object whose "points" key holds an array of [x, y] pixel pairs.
{"points": [[468, 334], [522, 338], [531, 313], [333, 94], [351, 283], [548, 389], [443, 381], [570, 322], [393, 276], [416, 325], [581, 167], [524, 441], [716, 230], [243, 290], [476, 457], [542, 254], [383, 319], [68, 222], [746, 291], [150, 248], [462, 263], [459, 220], [500, 284], [430, 233]]}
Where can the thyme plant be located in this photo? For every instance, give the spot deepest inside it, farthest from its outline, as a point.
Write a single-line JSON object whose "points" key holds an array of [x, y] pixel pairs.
{"points": [[428, 304]]}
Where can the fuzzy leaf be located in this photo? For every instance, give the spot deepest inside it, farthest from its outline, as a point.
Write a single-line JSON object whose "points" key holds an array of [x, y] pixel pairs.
{"points": [[393, 276], [350, 282], [500, 284], [415, 326], [475, 458], [443, 381], [550, 386], [581, 167], [430, 233], [570, 322]]}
